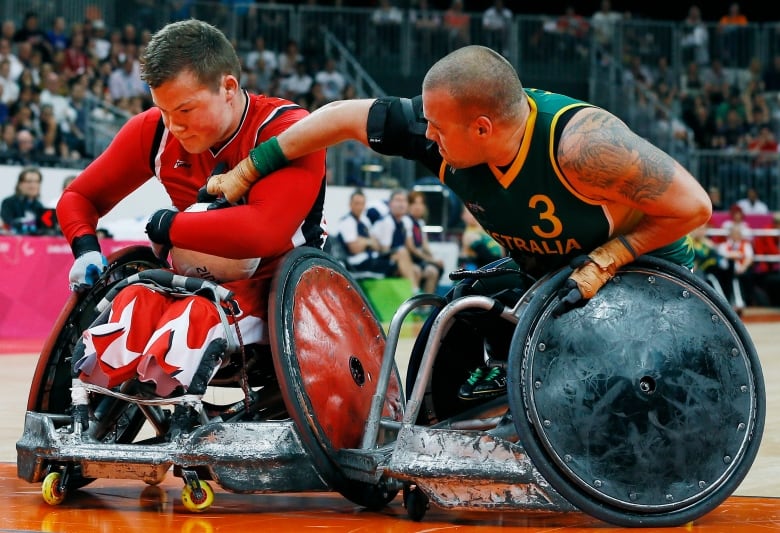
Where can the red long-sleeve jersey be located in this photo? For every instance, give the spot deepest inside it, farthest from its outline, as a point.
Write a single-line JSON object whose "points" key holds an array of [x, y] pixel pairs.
{"points": [[280, 211]]}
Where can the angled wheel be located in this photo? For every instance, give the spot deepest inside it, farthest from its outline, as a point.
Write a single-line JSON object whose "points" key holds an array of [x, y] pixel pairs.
{"points": [[51, 491], [197, 499], [50, 389], [645, 407], [328, 346]]}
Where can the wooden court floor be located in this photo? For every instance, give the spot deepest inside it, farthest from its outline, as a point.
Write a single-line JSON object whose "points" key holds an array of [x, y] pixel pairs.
{"points": [[130, 506]]}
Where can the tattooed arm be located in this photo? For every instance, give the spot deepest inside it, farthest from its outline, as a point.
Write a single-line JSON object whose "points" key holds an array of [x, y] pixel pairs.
{"points": [[604, 160]]}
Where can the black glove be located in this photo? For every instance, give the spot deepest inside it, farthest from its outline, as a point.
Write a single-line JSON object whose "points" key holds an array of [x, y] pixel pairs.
{"points": [[569, 294], [215, 202], [158, 228]]}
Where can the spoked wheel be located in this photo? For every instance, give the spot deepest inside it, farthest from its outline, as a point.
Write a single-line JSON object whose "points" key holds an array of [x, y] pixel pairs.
{"points": [[643, 408], [328, 346], [50, 390]]}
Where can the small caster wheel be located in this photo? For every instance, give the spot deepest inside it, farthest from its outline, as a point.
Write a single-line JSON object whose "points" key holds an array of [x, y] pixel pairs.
{"points": [[416, 502], [197, 500], [51, 491]]}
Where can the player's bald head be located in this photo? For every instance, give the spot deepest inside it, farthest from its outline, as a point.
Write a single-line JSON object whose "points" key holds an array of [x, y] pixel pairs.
{"points": [[480, 78]]}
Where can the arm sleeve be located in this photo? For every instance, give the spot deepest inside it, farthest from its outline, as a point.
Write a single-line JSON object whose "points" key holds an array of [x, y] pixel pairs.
{"points": [[396, 126]]}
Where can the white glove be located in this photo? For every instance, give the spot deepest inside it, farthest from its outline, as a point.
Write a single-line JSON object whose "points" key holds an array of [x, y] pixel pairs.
{"points": [[86, 270]]}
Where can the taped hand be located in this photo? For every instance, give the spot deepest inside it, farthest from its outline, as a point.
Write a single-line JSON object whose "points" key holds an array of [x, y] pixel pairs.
{"points": [[234, 183], [591, 272]]}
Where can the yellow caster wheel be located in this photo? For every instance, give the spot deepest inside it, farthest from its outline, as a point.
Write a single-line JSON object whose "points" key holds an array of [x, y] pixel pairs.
{"points": [[50, 489], [197, 502]]}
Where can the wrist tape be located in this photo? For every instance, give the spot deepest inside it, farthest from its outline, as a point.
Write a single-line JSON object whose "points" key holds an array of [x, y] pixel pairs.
{"points": [[267, 157]]}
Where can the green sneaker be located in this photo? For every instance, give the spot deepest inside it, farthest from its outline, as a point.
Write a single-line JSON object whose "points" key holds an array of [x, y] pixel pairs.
{"points": [[466, 391], [492, 385], [484, 383]]}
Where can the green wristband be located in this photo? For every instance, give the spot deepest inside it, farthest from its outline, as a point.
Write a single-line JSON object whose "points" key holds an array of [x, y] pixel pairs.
{"points": [[268, 157]]}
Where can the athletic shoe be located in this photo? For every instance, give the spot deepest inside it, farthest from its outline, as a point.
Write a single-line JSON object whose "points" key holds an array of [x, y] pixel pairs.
{"points": [[484, 383], [466, 391]]}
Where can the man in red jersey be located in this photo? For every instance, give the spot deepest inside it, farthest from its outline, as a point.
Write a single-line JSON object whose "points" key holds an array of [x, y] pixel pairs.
{"points": [[202, 119]]}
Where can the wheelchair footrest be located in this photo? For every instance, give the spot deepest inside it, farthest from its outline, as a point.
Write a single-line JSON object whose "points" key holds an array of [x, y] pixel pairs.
{"points": [[471, 470], [240, 457]]}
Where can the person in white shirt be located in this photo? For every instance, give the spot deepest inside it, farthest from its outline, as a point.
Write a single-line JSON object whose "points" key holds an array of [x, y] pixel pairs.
{"points": [[270, 61], [752, 204], [496, 21], [298, 83], [331, 80], [604, 21], [390, 232], [10, 89]]}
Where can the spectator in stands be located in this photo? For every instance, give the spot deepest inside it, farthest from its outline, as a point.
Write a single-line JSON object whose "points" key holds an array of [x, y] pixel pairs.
{"points": [[737, 219], [125, 81], [695, 41], [496, 23], [386, 20], [752, 204], [766, 274], [732, 133], [717, 83], [31, 33], [716, 198], [289, 58], [8, 85], [391, 233], [331, 80], [691, 82], [361, 248], [386, 14], [98, 45], [699, 118], [77, 59], [573, 30], [6, 52], [57, 35], [7, 138], [737, 257], [431, 267], [260, 58], [53, 144], [296, 84], [477, 248], [731, 34], [53, 94], [21, 211], [604, 23], [457, 24], [764, 148], [707, 262], [427, 23], [26, 150]]}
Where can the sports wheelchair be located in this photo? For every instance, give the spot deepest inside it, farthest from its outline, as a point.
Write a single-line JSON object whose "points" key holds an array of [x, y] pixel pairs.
{"points": [[643, 408]]}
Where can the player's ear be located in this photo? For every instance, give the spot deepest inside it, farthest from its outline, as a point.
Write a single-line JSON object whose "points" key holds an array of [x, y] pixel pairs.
{"points": [[231, 85], [483, 125]]}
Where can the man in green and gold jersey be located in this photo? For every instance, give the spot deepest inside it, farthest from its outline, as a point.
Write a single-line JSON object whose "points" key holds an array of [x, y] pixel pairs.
{"points": [[549, 177]]}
